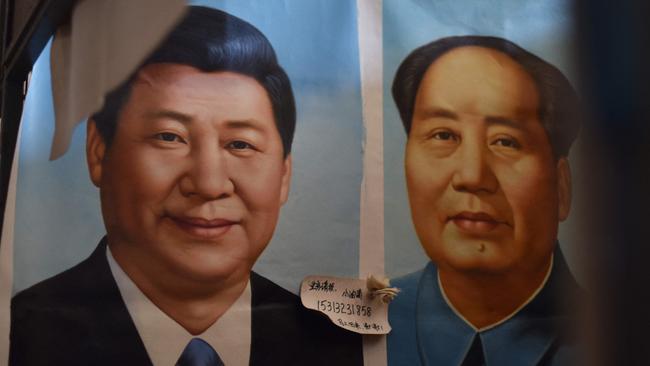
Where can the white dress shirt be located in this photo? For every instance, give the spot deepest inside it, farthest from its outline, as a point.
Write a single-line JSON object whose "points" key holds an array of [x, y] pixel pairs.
{"points": [[165, 340]]}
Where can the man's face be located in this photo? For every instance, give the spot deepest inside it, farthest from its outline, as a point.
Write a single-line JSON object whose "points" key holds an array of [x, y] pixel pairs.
{"points": [[485, 192], [194, 178]]}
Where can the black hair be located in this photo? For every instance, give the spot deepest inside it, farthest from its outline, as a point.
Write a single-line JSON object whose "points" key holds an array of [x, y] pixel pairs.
{"points": [[559, 110], [212, 40]]}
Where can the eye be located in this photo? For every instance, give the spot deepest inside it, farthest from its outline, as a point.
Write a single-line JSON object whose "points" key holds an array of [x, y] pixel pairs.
{"points": [[240, 145], [169, 137], [444, 136], [508, 142]]}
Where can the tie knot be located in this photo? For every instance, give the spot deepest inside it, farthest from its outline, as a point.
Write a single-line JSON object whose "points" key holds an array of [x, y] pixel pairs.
{"points": [[199, 353]]}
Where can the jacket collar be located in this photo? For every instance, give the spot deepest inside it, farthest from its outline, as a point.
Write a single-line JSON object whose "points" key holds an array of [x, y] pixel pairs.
{"points": [[444, 338]]}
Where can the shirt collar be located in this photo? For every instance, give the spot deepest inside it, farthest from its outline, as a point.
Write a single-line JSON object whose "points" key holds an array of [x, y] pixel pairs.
{"points": [[165, 340], [444, 338]]}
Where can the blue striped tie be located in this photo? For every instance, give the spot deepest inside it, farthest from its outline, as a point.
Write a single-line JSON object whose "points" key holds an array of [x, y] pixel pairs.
{"points": [[199, 353]]}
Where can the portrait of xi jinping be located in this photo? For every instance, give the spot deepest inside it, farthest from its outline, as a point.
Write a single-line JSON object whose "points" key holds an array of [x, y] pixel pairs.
{"points": [[192, 159]]}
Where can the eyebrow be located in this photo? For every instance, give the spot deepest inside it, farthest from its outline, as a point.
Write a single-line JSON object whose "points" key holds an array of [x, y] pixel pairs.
{"points": [[245, 125], [186, 119], [169, 114], [504, 121], [438, 112]]}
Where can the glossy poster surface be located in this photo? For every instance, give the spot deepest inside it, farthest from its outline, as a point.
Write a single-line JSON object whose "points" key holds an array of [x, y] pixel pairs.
{"points": [[203, 157], [425, 150], [479, 117]]}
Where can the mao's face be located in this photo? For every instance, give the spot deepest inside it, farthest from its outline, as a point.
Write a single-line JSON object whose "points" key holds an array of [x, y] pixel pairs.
{"points": [[485, 192], [193, 181]]}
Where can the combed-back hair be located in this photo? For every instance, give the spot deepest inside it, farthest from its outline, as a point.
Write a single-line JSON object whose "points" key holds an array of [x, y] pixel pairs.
{"points": [[212, 40], [559, 108]]}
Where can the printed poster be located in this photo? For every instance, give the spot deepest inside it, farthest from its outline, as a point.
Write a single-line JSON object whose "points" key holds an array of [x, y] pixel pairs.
{"points": [[441, 126]]}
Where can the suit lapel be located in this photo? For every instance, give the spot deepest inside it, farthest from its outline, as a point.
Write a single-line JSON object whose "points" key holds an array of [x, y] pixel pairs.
{"points": [[275, 324], [115, 337]]}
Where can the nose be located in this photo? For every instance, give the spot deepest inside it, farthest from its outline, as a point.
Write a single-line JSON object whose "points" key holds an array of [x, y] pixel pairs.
{"points": [[207, 175], [474, 172]]}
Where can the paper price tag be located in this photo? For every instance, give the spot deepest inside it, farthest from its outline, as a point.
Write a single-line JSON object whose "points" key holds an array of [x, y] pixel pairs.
{"points": [[347, 302]]}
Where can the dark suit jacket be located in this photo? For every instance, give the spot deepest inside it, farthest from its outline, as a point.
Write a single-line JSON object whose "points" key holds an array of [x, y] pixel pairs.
{"points": [[78, 317]]}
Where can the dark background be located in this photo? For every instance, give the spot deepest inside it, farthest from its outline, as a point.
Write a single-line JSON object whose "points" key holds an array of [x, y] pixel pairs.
{"points": [[615, 65], [25, 27]]}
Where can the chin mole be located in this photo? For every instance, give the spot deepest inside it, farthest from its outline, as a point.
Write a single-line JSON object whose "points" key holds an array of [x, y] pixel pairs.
{"points": [[481, 247]]}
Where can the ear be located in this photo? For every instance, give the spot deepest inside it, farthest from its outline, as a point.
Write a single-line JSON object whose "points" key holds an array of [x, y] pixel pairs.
{"points": [[286, 179], [563, 188], [95, 152]]}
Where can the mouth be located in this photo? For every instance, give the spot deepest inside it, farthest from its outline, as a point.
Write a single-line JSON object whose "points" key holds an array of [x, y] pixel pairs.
{"points": [[476, 222], [202, 228]]}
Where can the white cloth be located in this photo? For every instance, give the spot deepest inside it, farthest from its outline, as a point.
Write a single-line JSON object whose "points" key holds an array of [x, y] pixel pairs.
{"points": [[165, 340], [97, 49]]}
